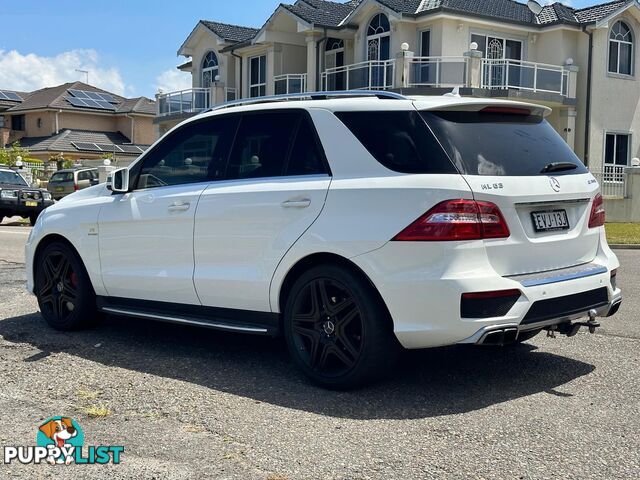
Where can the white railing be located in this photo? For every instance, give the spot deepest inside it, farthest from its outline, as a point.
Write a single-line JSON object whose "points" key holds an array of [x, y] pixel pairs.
{"points": [[230, 94], [438, 71], [290, 83], [521, 75], [193, 100], [612, 180], [371, 75]]}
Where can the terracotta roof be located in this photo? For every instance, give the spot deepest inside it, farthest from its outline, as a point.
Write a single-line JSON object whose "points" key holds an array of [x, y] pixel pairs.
{"points": [[55, 97], [232, 33], [63, 142]]}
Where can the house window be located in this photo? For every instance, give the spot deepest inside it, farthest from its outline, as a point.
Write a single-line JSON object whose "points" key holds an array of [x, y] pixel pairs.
{"points": [[334, 58], [617, 149], [379, 38], [498, 48], [621, 49], [210, 69], [258, 76], [17, 122], [425, 43]]}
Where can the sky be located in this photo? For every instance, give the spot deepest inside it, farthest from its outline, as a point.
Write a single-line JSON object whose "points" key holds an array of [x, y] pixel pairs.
{"points": [[129, 47]]}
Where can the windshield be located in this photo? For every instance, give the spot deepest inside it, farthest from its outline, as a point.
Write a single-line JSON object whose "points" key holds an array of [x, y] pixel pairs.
{"points": [[12, 178], [500, 144], [62, 177]]}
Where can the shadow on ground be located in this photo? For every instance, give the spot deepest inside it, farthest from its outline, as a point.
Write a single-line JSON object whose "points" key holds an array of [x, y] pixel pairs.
{"points": [[425, 383]]}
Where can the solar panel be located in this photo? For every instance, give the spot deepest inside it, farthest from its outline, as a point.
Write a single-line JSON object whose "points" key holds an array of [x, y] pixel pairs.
{"points": [[89, 103], [131, 149], [108, 147], [97, 96], [108, 98], [91, 147], [7, 95], [78, 93]]}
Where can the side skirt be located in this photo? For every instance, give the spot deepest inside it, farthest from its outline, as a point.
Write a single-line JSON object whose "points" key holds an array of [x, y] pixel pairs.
{"points": [[241, 321]]}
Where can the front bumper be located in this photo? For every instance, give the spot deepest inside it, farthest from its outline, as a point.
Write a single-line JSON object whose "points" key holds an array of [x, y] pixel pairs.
{"points": [[422, 289], [23, 207]]}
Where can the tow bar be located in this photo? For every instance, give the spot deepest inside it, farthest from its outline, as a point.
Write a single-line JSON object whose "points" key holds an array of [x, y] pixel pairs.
{"points": [[571, 329]]}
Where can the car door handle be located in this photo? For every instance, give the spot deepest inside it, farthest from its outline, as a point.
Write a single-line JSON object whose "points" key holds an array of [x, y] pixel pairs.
{"points": [[179, 207], [304, 203]]}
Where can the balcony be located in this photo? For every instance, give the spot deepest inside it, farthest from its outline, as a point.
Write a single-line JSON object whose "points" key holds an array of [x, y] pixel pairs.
{"points": [[371, 75], [191, 101], [438, 72], [521, 75], [290, 83]]}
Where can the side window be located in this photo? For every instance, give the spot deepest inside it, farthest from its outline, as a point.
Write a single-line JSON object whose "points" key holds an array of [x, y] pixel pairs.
{"points": [[262, 144], [306, 157], [400, 140], [86, 175], [195, 153]]}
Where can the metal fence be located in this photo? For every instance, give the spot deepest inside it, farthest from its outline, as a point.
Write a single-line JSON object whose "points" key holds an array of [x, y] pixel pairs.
{"points": [[438, 71], [612, 180], [521, 75], [372, 75]]}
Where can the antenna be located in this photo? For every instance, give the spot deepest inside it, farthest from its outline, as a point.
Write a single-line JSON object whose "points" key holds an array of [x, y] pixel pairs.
{"points": [[86, 72]]}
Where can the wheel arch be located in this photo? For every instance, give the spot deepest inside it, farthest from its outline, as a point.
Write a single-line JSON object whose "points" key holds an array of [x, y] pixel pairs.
{"points": [[48, 240], [323, 258]]}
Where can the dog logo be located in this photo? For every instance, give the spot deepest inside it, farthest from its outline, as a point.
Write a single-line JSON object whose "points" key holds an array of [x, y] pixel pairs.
{"points": [[64, 435], [555, 184]]}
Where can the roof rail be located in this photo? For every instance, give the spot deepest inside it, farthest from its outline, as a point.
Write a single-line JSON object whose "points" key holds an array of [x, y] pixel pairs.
{"points": [[309, 96]]}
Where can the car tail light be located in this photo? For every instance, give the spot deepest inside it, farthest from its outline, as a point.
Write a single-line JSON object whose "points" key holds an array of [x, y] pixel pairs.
{"points": [[597, 212], [75, 187], [507, 110], [459, 219]]}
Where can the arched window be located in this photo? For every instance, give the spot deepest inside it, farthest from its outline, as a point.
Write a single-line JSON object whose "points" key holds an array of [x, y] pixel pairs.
{"points": [[333, 60], [209, 69], [379, 38], [621, 49]]}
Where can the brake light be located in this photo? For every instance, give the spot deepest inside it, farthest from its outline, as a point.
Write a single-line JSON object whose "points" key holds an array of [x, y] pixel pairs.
{"points": [[507, 110], [75, 187], [454, 220], [597, 217]]}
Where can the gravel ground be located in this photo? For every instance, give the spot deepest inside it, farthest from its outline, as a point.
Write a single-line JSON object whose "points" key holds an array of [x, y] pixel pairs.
{"points": [[192, 403]]}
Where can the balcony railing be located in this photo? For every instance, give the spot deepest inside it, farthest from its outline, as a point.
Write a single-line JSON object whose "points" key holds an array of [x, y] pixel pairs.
{"points": [[290, 83], [612, 180], [193, 100], [438, 71], [520, 75], [372, 75]]}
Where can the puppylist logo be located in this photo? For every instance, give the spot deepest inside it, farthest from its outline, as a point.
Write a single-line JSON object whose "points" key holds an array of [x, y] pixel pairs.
{"points": [[60, 441]]}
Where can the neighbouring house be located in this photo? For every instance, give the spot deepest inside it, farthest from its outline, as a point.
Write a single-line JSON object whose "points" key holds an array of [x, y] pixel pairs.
{"points": [[79, 121], [580, 62]]}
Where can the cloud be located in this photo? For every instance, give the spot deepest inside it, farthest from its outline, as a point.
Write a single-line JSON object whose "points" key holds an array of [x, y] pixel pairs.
{"points": [[172, 80], [30, 71]]}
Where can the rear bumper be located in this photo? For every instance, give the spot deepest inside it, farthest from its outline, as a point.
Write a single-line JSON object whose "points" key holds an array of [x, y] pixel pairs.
{"points": [[422, 288]]}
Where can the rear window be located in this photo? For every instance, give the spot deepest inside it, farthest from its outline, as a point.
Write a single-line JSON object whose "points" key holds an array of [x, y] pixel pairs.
{"points": [[499, 144], [399, 140], [62, 177]]}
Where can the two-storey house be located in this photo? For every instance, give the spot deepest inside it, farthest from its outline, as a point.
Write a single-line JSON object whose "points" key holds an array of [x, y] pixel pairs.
{"points": [[581, 62]]}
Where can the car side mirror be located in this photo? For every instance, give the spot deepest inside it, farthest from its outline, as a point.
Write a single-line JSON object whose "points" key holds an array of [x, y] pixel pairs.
{"points": [[118, 181]]}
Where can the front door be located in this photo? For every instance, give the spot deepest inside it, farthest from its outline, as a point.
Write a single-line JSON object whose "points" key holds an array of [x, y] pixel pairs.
{"points": [[146, 235], [276, 186]]}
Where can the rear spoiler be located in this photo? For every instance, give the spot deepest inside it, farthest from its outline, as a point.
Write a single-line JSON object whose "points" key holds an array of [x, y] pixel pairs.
{"points": [[477, 105]]}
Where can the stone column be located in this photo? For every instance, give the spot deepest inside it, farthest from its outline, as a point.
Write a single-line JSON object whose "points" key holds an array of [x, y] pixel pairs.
{"points": [[572, 79], [567, 126], [403, 69], [474, 68], [312, 64]]}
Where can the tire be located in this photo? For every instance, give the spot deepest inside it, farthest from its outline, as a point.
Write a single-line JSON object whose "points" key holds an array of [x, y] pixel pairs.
{"points": [[337, 328], [63, 288], [33, 218], [524, 336]]}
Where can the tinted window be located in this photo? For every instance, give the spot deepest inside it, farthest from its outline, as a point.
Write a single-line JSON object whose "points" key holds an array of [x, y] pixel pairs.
{"points": [[195, 153], [306, 157], [62, 177], [86, 175], [11, 178], [501, 144], [401, 141], [262, 144]]}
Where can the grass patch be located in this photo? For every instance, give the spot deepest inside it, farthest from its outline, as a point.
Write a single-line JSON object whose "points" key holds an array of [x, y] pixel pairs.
{"points": [[623, 233], [95, 411]]}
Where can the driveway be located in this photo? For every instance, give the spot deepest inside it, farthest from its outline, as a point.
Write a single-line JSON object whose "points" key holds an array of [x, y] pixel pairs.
{"points": [[194, 403]]}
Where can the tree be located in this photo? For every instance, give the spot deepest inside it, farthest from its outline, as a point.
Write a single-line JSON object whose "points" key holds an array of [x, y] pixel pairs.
{"points": [[9, 156]]}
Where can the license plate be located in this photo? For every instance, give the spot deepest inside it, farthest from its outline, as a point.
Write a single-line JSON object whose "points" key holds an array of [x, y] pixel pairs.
{"points": [[31, 203], [549, 221], [59, 189]]}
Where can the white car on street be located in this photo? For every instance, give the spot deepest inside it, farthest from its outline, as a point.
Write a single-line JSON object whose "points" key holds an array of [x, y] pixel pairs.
{"points": [[352, 223]]}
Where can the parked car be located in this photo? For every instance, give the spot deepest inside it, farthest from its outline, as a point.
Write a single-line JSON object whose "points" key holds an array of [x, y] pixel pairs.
{"points": [[350, 223], [64, 182], [17, 198]]}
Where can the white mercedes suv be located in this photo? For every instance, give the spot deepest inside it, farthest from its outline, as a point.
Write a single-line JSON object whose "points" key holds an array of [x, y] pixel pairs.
{"points": [[351, 223]]}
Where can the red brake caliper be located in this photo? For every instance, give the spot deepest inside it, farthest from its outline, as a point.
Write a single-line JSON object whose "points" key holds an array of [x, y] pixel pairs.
{"points": [[74, 279]]}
